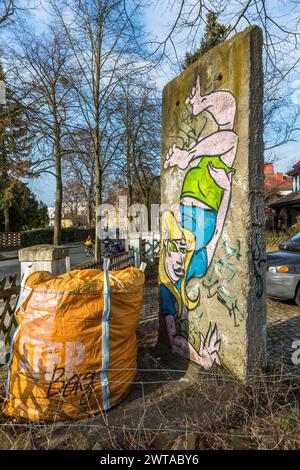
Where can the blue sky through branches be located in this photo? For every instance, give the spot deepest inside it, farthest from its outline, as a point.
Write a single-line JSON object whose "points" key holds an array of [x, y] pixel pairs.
{"points": [[157, 19]]}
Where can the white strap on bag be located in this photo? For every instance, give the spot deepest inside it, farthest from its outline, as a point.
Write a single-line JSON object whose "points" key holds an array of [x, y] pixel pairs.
{"points": [[105, 334], [143, 266]]}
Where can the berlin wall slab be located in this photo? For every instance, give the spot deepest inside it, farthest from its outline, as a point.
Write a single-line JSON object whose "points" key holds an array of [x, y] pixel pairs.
{"points": [[212, 258]]}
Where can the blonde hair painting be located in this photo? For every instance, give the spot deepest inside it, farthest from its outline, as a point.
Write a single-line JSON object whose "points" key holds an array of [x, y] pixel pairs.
{"points": [[171, 230]]}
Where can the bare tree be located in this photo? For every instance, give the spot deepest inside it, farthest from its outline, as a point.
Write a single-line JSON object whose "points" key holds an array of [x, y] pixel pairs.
{"points": [[281, 117], [42, 62], [74, 206], [103, 41], [139, 114], [79, 172], [7, 9], [280, 25], [190, 16]]}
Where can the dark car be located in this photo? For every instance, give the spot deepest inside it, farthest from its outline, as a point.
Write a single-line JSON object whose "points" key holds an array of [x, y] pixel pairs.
{"points": [[283, 275], [291, 244]]}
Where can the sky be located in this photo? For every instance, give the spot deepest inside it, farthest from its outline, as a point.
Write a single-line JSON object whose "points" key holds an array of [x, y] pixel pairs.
{"points": [[156, 19]]}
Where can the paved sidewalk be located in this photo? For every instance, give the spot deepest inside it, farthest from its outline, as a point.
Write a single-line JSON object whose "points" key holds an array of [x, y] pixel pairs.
{"points": [[9, 254], [283, 328]]}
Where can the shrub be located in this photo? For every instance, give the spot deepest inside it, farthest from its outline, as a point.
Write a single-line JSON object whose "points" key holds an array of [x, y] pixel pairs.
{"points": [[45, 235]]}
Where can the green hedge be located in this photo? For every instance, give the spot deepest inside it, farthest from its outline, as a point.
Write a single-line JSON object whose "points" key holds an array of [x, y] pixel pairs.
{"points": [[45, 235]]}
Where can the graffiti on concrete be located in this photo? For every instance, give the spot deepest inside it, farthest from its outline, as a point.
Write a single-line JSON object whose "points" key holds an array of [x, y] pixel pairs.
{"points": [[189, 240], [220, 281]]}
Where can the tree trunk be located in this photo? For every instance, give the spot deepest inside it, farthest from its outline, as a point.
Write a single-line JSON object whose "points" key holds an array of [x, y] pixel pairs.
{"points": [[58, 203], [128, 156], [148, 206], [98, 204], [89, 199], [6, 218], [58, 178], [89, 211], [5, 185], [97, 144]]}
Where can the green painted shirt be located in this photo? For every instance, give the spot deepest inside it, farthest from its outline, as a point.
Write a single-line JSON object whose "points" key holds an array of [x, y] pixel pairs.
{"points": [[200, 185]]}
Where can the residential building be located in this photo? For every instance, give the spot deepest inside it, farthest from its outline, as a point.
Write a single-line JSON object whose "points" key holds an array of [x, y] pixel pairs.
{"points": [[72, 215], [286, 209], [295, 175], [276, 184]]}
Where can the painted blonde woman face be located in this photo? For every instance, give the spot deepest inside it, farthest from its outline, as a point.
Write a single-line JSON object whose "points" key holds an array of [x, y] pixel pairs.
{"points": [[175, 256]]}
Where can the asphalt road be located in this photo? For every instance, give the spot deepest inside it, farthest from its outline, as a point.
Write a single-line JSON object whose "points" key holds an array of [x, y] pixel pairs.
{"points": [[9, 267]]}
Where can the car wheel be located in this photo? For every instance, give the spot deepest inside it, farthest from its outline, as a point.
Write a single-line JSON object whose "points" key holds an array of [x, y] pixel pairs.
{"points": [[297, 297]]}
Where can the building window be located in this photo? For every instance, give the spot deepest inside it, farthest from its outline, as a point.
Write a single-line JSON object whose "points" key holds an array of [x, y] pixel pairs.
{"points": [[296, 183]]}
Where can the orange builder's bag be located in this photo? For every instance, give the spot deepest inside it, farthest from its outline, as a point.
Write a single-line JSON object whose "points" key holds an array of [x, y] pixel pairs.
{"points": [[74, 352]]}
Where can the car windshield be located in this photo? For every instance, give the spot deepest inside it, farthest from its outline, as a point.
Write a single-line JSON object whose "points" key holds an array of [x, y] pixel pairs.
{"points": [[296, 237]]}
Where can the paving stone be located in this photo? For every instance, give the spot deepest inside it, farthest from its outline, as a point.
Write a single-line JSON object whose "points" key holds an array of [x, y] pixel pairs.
{"points": [[283, 327]]}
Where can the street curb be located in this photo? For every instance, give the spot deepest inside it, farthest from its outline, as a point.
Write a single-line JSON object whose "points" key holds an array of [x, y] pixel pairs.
{"points": [[8, 258], [16, 256]]}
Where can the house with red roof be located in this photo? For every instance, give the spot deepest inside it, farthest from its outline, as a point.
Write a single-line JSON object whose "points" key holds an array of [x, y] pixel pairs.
{"points": [[276, 184], [286, 208]]}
